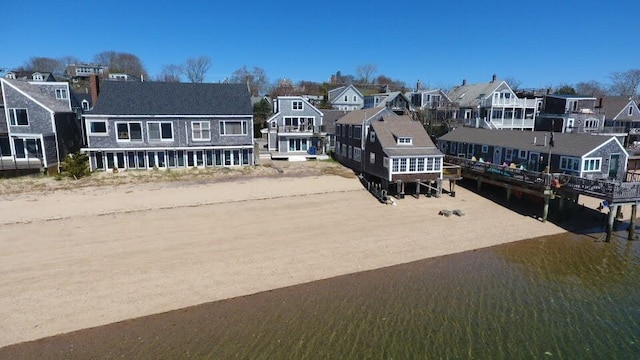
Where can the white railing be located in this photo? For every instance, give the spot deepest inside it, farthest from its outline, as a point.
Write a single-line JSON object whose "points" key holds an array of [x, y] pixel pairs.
{"points": [[515, 102]]}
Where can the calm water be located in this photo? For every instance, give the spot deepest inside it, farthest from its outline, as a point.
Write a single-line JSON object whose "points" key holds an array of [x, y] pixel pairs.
{"points": [[561, 297]]}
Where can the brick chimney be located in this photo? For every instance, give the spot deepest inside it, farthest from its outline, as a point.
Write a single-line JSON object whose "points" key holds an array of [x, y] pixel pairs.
{"points": [[494, 77], [94, 88], [464, 82]]}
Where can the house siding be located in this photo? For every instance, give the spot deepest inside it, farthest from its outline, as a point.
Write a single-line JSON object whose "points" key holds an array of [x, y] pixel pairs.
{"points": [[39, 117]]}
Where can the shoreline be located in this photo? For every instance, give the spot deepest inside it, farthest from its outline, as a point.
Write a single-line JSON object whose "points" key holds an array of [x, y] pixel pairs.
{"points": [[122, 252]]}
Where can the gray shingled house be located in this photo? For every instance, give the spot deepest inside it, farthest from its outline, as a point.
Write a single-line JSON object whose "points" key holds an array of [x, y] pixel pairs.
{"points": [[38, 125], [579, 154], [145, 125], [296, 129], [388, 149]]}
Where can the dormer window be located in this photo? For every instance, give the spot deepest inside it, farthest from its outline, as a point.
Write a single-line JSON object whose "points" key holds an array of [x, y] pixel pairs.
{"points": [[11, 76], [296, 105], [405, 141], [37, 77], [61, 94], [85, 105]]}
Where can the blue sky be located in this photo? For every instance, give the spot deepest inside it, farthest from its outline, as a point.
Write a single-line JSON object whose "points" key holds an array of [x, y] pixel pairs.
{"points": [[438, 42]]}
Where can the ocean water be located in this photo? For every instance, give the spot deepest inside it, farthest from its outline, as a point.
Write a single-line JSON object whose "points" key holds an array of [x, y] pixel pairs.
{"points": [[560, 297]]}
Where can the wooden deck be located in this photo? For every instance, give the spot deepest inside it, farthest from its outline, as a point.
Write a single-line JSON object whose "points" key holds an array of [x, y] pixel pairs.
{"points": [[614, 192]]}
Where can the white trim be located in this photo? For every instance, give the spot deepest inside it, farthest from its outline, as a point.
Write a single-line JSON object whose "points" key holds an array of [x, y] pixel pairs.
{"points": [[88, 127], [8, 114], [176, 117], [193, 138], [159, 129], [115, 124], [191, 148], [613, 138], [244, 128]]}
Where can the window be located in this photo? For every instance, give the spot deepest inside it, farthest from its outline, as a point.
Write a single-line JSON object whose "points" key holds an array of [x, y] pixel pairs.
{"points": [[296, 105], [61, 94], [372, 158], [591, 164], [357, 132], [420, 165], [233, 127], [355, 98], [201, 130], [18, 117], [346, 98], [523, 154], [630, 112], [405, 141], [129, 131], [85, 105], [569, 163], [395, 166], [485, 148], [350, 152], [590, 124], [97, 128], [298, 145], [351, 131], [372, 136], [508, 155], [159, 131], [412, 164], [357, 154]]}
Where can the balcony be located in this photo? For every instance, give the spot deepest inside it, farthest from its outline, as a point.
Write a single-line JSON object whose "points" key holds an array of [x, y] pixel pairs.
{"points": [[514, 102], [298, 129]]}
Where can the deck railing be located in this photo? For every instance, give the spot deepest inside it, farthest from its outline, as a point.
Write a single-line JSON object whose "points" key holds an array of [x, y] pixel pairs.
{"points": [[614, 191]]}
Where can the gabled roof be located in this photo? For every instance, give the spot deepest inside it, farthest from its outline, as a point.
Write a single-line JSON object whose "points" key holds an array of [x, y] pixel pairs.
{"points": [[390, 128], [357, 117], [570, 144], [471, 95], [614, 105], [166, 98], [338, 92], [34, 90]]}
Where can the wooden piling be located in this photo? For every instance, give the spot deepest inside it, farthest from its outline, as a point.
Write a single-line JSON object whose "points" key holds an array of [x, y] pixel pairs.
{"points": [[632, 222], [610, 222], [545, 211]]}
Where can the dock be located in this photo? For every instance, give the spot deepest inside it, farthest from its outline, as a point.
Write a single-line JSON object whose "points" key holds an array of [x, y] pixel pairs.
{"points": [[563, 187]]}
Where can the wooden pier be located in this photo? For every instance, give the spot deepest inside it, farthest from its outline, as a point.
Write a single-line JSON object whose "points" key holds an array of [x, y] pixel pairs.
{"points": [[615, 194]]}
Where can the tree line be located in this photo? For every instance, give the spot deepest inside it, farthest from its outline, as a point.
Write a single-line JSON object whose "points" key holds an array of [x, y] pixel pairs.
{"points": [[194, 69]]}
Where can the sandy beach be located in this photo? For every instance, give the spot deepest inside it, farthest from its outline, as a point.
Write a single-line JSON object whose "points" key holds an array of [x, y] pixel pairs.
{"points": [[79, 258]]}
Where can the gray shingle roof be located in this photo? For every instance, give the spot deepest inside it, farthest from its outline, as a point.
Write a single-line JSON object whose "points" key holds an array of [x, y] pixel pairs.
{"points": [[470, 95], [390, 128], [45, 97], [612, 105], [330, 118], [163, 98], [571, 144], [356, 117]]}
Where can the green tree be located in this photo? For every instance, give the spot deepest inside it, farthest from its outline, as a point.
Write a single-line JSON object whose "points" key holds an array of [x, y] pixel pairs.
{"points": [[565, 89], [261, 112]]}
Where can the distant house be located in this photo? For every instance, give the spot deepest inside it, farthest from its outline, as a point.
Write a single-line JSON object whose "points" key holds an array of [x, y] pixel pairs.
{"points": [[569, 114], [579, 154], [434, 104], [29, 75], [122, 77], [38, 126], [388, 149], [621, 114], [346, 98], [394, 101], [81, 72], [146, 125], [493, 105], [296, 128]]}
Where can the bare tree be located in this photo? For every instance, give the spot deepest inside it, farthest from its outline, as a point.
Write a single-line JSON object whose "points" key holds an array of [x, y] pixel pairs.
{"points": [[256, 79], [44, 64], [119, 62], [171, 73], [365, 72], [591, 88], [196, 68], [513, 83], [625, 83]]}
